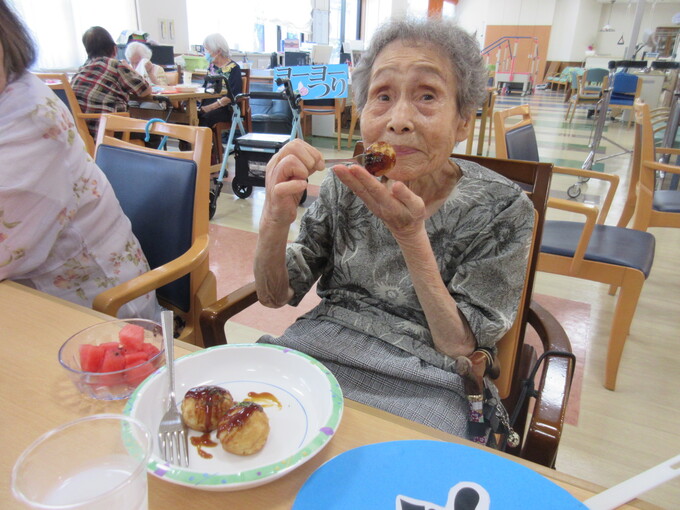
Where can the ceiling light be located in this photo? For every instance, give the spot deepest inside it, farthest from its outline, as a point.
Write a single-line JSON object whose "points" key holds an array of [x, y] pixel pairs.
{"points": [[608, 27]]}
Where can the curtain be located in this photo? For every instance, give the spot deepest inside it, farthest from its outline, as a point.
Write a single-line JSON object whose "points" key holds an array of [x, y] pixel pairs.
{"points": [[58, 26]]}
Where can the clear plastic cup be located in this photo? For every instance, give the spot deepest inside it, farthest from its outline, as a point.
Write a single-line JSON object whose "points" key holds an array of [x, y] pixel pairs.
{"points": [[93, 463]]}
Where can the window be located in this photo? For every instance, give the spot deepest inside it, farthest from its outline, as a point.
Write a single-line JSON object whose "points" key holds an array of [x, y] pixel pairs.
{"points": [[250, 27], [58, 26]]}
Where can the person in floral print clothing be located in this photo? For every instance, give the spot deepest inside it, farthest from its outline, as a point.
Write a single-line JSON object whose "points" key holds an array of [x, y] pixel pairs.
{"points": [[62, 230]]}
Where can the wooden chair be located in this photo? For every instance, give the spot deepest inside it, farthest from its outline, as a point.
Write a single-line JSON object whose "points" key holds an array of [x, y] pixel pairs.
{"points": [[59, 83], [585, 92], [515, 357], [352, 124], [165, 196], [323, 107], [220, 127], [648, 206], [485, 114], [588, 250]]}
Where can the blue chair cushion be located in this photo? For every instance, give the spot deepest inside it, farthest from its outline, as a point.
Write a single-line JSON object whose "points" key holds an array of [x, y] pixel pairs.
{"points": [[157, 194], [610, 245], [666, 201], [521, 143]]}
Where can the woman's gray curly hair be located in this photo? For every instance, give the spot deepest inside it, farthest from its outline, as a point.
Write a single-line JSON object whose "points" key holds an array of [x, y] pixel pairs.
{"points": [[461, 48]]}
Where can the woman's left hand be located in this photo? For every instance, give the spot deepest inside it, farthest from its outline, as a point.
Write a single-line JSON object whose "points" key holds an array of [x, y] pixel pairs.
{"points": [[402, 211]]}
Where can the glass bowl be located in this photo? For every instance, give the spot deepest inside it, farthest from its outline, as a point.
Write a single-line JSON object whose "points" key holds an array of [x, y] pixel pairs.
{"points": [[108, 361]]}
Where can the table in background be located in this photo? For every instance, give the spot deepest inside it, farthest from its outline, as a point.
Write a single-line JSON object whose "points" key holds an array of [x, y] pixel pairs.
{"points": [[36, 396], [189, 115]]}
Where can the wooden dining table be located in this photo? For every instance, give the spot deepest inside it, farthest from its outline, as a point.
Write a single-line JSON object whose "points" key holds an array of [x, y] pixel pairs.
{"points": [[188, 114], [36, 395]]}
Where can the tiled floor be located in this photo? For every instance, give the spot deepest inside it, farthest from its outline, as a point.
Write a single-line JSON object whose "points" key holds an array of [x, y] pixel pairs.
{"points": [[610, 435]]}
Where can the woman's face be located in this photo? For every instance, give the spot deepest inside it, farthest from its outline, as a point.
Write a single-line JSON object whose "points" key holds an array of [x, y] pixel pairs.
{"points": [[411, 104]]}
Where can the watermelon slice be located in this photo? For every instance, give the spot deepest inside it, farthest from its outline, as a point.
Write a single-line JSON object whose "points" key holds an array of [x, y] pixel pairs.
{"points": [[132, 337], [114, 360], [91, 357], [150, 349]]}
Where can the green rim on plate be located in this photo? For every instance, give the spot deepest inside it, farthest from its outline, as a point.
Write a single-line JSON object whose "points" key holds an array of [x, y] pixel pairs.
{"points": [[184, 476]]}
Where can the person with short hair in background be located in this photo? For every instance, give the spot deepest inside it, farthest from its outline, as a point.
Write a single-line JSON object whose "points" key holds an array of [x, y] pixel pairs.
{"points": [[104, 84], [138, 56], [218, 55]]}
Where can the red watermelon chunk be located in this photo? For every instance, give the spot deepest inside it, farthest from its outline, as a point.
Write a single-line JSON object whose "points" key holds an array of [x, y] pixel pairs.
{"points": [[150, 349], [137, 374], [135, 358], [132, 337], [91, 357]]}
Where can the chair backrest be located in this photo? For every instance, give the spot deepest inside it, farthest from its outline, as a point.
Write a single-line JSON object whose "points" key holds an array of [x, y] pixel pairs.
{"points": [[643, 147], [624, 83], [517, 141], [163, 193], [595, 76], [59, 83], [534, 178]]}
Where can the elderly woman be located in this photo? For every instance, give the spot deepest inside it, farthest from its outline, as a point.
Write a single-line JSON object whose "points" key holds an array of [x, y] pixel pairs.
{"points": [[139, 57], [219, 64], [414, 269], [62, 230]]}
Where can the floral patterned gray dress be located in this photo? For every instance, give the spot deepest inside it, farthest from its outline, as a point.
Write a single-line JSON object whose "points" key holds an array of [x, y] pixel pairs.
{"points": [[370, 329]]}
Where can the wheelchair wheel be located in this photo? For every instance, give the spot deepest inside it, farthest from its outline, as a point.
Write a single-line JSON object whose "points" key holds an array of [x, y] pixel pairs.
{"points": [[241, 190], [212, 205], [573, 191]]}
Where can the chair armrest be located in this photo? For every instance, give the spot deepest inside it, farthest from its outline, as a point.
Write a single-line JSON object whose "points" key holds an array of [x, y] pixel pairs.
{"points": [[545, 428], [214, 317], [667, 150], [110, 301], [613, 181], [591, 214], [99, 115], [654, 166]]}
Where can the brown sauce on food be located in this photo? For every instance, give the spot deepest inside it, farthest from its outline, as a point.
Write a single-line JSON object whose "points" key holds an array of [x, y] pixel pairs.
{"points": [[203, 440], [379, 158], [265, 399], [237, 416], [210, 397]]}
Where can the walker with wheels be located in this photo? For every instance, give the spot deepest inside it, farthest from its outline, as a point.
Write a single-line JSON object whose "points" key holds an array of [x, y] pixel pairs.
{"points": [[252, 151], [601, 108]]}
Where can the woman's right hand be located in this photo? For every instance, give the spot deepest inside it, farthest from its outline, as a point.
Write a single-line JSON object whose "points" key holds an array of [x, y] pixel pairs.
{"points": [[287, 174]]}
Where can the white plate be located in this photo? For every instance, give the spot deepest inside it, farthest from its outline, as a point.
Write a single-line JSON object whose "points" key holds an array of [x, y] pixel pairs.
{"points": [[311, 409]]}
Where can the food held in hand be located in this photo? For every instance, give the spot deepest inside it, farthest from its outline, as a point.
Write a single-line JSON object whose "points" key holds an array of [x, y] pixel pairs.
{"points": [[379, 158], [244, 429], [203, 407]]}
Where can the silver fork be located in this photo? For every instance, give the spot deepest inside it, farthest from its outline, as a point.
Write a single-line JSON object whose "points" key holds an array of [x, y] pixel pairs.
{"points": [[172, 433]]}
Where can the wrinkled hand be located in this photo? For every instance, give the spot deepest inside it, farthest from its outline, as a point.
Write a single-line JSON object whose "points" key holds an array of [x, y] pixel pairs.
{"points": [[287, 174], [402, 211], [148, 66]]}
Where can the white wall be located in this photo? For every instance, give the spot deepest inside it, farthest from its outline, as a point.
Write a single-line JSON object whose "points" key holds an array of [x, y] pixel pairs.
{"points": [[622, 17], [152, 12]]}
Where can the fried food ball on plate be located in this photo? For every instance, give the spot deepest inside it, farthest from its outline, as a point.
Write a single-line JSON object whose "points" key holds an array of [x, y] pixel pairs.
{"points": [[203, 407], [244, 429]]}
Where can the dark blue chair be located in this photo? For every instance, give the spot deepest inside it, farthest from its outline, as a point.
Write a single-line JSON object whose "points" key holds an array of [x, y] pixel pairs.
{"points": [[626, 89], [590, 250], [165, 196]]}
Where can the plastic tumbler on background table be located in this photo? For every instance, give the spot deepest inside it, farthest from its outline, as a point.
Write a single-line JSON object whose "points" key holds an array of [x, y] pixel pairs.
{"points": [[93, 463]]}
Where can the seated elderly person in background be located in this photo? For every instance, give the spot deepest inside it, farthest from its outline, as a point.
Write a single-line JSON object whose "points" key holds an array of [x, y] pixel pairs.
{"points": [[219, 64], [104, 84], [139, 57], [416, 268], [62, 230]]}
